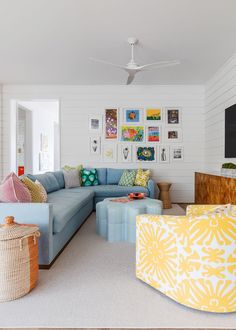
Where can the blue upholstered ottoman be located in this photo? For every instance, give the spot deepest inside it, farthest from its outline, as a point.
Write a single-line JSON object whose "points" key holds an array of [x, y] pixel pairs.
{"points": [[116, 221]]}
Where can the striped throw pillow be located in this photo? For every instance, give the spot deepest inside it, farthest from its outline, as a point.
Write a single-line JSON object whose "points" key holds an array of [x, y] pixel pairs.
{"points": [[43, 192], [34, 190]]}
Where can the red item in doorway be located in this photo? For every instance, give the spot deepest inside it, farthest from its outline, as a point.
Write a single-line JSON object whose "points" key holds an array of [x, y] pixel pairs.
{"points": [[21, 170]]}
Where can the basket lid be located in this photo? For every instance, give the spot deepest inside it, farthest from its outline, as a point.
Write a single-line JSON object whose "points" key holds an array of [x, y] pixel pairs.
{"points": [[13, 230]]}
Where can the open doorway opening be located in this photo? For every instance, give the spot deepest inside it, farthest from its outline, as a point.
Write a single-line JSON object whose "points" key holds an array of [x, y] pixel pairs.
{"points": [[37, 140]]}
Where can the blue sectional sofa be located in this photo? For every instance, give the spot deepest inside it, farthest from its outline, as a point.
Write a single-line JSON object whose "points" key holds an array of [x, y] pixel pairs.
{"points": [[67, 209]]}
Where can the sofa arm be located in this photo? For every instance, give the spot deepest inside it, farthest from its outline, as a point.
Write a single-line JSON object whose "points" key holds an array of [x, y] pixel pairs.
{"points": [[40, 214], [196, 210], [152, 187]]}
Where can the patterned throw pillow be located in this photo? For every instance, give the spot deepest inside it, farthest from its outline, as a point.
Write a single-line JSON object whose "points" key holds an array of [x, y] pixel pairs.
{"points": [[42, 191], [142, 177], [127, 178], [89, 177], [34, 190]]}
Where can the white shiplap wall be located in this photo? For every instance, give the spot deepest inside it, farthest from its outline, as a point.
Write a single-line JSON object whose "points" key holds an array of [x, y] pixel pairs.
{"points": [[1, 135], [77, 102], [220, 94]]}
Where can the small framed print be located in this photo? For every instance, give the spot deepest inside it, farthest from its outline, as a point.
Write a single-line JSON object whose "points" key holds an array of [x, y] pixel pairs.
{"points": [[174, 135], [95, 145], [173, 116], [125, 153], [153, 115], [145, 153], [95, 124], [109, 153], [164, 154], [177, 153], [132, 115], [153, 133]]}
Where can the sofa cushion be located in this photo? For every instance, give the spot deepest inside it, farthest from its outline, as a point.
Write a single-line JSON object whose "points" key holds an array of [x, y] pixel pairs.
{"points": [[114, 190], [60, 178], [66, 205], [89, 177], [48, 180], [114, 175], [12, 190]]}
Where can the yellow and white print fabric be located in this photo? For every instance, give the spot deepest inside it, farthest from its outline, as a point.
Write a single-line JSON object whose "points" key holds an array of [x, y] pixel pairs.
{"points": [[142, 177], [191, 259]]}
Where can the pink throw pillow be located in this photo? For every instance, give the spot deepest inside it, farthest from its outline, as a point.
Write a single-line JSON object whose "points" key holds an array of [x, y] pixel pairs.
{"points": [[12, 190]]}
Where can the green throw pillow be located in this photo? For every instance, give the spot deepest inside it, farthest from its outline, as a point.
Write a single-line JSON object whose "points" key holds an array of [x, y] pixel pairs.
{"points": [[127, 178], [89, 177]]}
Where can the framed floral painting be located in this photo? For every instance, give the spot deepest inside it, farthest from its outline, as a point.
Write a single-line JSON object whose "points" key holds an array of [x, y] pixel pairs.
{"points": [[132, 133], [111, 124]]}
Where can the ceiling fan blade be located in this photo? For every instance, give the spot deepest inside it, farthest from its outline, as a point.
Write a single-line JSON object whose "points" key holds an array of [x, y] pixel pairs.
{"points": [[130, 79], [157, 65], [106, 63]]}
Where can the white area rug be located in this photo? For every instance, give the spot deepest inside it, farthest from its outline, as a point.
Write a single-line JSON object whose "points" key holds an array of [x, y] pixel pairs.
{"points": [[93, 284]]}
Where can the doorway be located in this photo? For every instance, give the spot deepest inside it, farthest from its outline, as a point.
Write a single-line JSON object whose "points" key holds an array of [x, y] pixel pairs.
{"points": [[37, 137]]}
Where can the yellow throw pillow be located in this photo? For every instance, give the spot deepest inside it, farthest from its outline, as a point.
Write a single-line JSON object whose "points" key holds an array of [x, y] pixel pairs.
{"points": [[43, 191], [34, 189], [142, 177]]}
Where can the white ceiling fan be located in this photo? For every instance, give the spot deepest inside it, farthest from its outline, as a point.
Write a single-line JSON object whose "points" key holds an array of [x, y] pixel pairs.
{"points": [[132, 67]]}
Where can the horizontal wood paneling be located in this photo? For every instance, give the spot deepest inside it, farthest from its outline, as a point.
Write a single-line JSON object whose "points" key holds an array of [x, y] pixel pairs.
{"points": [[77, 102], [220, 94]]}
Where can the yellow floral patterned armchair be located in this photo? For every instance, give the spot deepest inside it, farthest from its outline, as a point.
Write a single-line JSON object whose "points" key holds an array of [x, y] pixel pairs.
{"points": [[192, 258]]}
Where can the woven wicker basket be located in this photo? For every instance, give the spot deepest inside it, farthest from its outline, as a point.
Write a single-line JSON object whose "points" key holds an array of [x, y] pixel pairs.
{"points": [[18, 259]]}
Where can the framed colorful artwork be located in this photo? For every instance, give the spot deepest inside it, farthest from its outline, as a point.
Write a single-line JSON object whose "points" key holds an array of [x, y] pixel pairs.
{"points": [[164, 154], [95, 124], [177, 153], [132, 133], [153, 115], [174, 135], [132, 115], [125, 153], [145, 153], [173, 116], [109, 153], [153, 133], [95, 145], [111, 124]]}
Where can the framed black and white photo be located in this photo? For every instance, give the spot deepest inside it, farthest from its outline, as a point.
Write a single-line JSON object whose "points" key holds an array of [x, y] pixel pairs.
{"points": [[125, 153], [95, 124], [95, 145], [177, 153], [164, 154], [173, 134], [173, 116]]}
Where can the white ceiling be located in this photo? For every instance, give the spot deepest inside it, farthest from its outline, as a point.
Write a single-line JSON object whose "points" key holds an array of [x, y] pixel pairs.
{"points": [[50, 41]]}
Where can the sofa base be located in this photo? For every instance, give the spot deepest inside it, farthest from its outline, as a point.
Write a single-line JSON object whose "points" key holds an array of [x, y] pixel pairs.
{"points": [[47, 267]]}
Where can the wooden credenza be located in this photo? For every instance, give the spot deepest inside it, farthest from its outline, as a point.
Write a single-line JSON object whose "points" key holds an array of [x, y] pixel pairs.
{"points": [[214, 189]]}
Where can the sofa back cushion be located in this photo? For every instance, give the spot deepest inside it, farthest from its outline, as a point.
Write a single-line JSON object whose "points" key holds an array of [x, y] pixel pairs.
{"points": [[114, 175], [60, 178], [12, 190], [48, 180]]}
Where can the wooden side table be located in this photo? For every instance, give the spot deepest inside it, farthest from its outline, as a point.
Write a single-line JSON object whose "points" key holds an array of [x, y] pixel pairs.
{"points": [[164, 195]]}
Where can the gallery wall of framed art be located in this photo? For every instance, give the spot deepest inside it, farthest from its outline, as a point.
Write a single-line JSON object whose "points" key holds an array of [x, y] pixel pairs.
{"points": [[137, 134]]}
